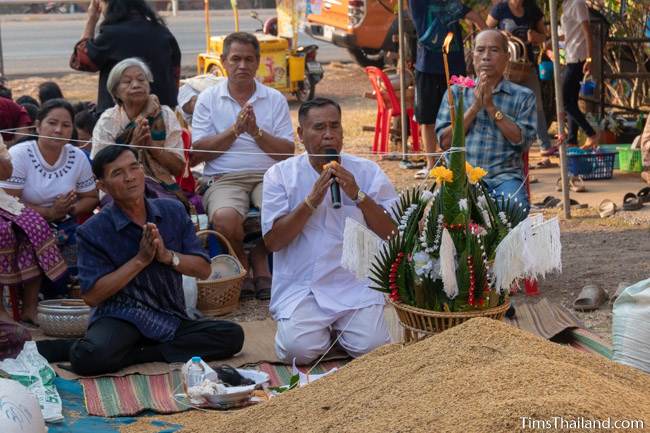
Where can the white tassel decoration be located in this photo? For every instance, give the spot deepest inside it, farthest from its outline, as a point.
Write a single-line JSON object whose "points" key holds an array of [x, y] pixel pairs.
{"points": [[360, 246], [448, 265], [544, 248], [509, 261]]}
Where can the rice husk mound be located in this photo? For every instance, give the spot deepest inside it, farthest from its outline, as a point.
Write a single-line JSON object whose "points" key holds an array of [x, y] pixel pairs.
{"points": [[481, 376]]}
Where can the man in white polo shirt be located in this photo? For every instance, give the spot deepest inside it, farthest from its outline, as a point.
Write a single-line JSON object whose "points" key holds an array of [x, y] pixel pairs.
{"points": [[245, 128]]}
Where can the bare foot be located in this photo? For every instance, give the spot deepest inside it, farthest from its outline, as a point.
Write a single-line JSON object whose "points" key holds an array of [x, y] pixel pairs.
{"points": [[645, 175]]}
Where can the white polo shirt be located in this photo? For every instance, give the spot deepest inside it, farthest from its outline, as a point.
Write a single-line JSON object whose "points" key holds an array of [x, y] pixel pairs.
{"points": [[216, 111], [574, 13], [311, 263]]}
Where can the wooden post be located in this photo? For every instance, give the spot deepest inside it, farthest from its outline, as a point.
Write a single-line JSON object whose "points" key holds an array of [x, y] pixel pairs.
{"points": [[559, 108], [2, 61], [402, 77]]}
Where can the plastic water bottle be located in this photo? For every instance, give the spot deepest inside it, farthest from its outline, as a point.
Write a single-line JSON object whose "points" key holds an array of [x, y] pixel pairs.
{"points": [[195, 372]]}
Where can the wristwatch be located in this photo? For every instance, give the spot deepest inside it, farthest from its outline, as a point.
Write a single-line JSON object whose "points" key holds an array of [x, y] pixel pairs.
{"points": [[361, 196], [498, 116], [175, 260]]}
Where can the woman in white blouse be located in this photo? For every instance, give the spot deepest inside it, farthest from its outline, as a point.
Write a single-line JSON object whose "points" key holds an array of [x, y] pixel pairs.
{"points": [[139, 119], [54, 180]]}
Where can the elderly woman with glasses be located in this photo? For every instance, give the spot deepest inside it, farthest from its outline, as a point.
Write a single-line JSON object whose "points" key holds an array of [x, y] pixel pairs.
{"points": [[139, 120]]}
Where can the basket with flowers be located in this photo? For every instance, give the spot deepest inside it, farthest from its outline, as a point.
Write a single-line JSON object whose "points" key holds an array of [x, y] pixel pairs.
{"points": [[437, 269]]}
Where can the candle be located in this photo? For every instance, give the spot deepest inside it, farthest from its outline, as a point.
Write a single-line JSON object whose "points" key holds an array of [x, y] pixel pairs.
{"points": [[450, 95]]}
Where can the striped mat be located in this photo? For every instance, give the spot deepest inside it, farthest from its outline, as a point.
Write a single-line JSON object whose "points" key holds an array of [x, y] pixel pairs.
{"points": [[129, 395]]}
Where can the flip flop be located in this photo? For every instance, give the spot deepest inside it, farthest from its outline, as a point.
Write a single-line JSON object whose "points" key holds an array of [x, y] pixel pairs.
{"points": [[577, 184], [411, 165], [422, 174], [606, 208], [532, 179], [631, 202], [590, 298], [549, 201], [573, 203], [644, 195], [558, 184], [546, 163], [553, 150], [619, 289]]}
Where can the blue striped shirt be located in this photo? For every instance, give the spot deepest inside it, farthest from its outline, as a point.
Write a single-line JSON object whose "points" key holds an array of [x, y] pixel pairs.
{"points": [[485, 144], [153, 301]]}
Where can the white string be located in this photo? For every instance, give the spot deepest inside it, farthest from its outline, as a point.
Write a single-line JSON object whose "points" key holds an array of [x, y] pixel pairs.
{"points": [[335, 341], [232, 152]]}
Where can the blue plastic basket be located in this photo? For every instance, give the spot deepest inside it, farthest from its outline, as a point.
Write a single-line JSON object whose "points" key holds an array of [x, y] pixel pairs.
{"points": [[591, 166]]}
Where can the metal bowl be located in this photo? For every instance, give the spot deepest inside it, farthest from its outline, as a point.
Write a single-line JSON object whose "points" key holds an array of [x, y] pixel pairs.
{"points": [[63, 317]]}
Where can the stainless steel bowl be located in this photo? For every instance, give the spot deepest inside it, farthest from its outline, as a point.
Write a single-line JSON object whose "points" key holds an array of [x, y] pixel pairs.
{"points": [[63, 317]]}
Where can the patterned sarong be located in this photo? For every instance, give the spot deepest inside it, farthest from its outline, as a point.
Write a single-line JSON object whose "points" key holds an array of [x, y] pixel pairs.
{"points": [[27, 248]]}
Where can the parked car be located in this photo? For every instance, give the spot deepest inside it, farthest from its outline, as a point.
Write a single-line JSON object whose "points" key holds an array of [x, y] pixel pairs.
{"points": [[364, 27]]}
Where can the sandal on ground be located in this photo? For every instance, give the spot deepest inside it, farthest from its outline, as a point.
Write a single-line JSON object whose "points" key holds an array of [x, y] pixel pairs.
{"points": [[411, 165], [590, 298], [619, 289], [422, 174], [577, 184], [631, 202], [545, 163], [574, 204], [644, 195], [606, 208], [548, 202], [532, 179], [247, 290], [263, 288]]}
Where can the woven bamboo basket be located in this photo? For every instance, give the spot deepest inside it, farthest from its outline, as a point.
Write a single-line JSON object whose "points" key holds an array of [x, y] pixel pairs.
{"points": [[519, 66], [419, 323], [221, 296]]}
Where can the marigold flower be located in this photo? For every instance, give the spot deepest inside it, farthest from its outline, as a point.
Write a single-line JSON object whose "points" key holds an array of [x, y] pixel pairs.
{"points": [[474, 173], [442, 174]]}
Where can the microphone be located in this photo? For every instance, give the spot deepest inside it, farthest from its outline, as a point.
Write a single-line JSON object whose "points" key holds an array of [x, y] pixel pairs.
{"points": [[335, 191]]}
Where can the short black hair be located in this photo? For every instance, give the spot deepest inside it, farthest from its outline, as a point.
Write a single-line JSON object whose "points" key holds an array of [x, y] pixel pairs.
{"points": [[307, 106], [106, 156], [5, 92], [86, 120], [241, 38], [32, 110], [51, 105], [26, 99], [49, 90]]}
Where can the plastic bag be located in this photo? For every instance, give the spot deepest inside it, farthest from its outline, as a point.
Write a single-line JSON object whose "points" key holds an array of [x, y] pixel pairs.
{"points": [[32, 370], [20, 411], [631, 326]]}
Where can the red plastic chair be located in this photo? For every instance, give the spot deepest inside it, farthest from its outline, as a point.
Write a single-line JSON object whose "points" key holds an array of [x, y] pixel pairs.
{"points": [[386, 109]]}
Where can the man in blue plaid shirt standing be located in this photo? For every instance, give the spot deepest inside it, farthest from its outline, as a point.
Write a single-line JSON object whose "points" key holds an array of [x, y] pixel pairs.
{"points": [[500, 119]]}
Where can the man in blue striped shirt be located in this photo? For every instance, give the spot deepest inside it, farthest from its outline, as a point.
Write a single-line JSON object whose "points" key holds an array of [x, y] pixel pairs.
{"points": [[499, 118]]}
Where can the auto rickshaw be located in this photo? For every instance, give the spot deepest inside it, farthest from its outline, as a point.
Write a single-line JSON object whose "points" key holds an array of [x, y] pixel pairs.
{"points": [[283, 65]]}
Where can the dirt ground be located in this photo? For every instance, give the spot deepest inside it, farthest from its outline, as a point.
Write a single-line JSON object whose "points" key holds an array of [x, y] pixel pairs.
{"points": [[596, 251]]}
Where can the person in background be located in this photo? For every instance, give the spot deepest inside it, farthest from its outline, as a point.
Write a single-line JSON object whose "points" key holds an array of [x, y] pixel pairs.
{"points": [[26, 99], [525, 20], [579, 52], [49, 90], [139, 119], [644, 145], [28, 134], [54, 182], [132, 256], [430, 81], [13, 116], [245, 127], [500, 120], [130, 29], [84, 123]]}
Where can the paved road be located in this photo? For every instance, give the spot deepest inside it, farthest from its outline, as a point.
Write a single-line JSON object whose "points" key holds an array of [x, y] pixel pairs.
{"points": [[41, 45]]}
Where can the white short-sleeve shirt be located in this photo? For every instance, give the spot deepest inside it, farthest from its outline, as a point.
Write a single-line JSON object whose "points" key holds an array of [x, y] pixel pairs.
{"points": [[311, 263], [42, 182], [216, 111], [574, 13]]}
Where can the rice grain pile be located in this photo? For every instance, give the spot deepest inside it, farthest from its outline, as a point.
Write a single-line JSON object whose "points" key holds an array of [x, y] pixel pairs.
{"points": [[479, 377]]}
